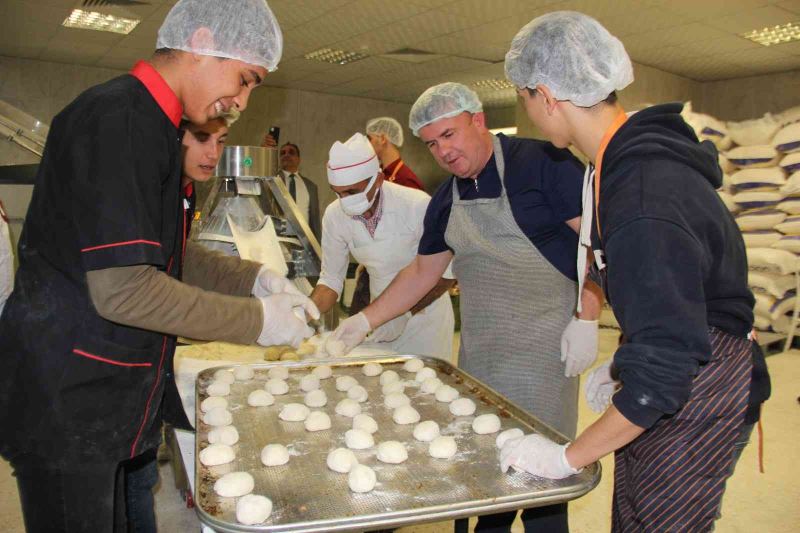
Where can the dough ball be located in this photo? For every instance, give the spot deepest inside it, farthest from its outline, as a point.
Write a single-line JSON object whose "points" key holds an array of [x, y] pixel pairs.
{"points": [[341, 460], [358, 393], [395, 400], [389, 376], [244, 373], [348, 407], [392, 452], [356, 439], [446, 394], [309, 382], [224, 376], [442, 447], [462, 407], [345, 383], [426, 431], [365, 423], [253, 509], [273, 353], [213, 401], [217, 454], [276, 386], [484, 424], [323, 372], [317, 421], [260, 398], [290, 356], [430, 385], [316, 398], [334, 347], [218, 416], [234, 484], [361, 478], [306, 348], [423, 374], [507, 435], [218, 388], [413, 365], [274, 455], [405, 414], [393, 386], [294, 412], [278, 372], [223, 435], [372, 369]]}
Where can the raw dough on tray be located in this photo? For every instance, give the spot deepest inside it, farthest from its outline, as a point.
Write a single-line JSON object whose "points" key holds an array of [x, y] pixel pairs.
{"points": [[253, 509], [392, 452], [234, 484], [217, 454], [274, 455], [361, 479], [442, 447], [341, 460], [260, 398]]}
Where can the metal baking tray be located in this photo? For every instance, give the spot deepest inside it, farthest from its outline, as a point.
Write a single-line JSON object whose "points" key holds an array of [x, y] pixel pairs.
{"points": [[307, 496]]}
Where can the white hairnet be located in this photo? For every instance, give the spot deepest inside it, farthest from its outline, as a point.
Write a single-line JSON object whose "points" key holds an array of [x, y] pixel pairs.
{"points": [[240, 29], [389, 127], [442, 101], [572, 54]]}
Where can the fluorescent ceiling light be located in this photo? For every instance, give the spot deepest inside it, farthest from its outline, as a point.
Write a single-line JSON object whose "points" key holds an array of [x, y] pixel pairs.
{"points": [[92, 20], [509, 131], [494, 84], [775, 35], [335, 57]]}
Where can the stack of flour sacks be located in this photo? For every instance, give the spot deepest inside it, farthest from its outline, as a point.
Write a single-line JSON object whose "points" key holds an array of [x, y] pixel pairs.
{"points": [[761, 186]]}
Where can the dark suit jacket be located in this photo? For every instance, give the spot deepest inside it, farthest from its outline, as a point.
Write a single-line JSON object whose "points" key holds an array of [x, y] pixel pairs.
{"points": [[314, 219]]}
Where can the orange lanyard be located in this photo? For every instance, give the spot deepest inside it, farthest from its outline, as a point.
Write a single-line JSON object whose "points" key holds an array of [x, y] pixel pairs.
{"points": [[394, 172], [612, 129]]}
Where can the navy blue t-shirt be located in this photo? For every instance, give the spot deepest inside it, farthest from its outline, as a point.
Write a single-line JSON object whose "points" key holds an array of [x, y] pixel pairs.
{"points": [[544, 186]]}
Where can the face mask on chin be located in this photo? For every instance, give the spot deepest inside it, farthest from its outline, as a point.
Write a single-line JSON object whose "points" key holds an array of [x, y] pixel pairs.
{"points": [[358, 204]]}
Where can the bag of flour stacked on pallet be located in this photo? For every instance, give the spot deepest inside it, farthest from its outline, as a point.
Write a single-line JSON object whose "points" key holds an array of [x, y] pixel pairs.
{"points": [[789, 116], [763, 238], [770, 282], [758, 187], [753, 132], [790, 163], [787, 139], [759, 219], [753, 156], [706, 127], [782, 306], [773, 259]]}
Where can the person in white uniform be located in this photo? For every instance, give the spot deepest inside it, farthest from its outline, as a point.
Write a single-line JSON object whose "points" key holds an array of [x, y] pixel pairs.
{"points": [[380, 224], [6, 260]]}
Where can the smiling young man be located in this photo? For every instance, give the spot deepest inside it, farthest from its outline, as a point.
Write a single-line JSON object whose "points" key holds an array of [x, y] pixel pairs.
{"points": [[89, 332]]}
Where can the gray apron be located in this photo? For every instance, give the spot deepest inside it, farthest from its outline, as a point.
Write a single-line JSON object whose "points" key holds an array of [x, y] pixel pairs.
{"points": [[514, 308]]}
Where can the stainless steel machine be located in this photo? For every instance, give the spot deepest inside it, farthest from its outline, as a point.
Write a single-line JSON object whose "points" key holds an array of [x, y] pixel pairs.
{"points": [[247, 191]]}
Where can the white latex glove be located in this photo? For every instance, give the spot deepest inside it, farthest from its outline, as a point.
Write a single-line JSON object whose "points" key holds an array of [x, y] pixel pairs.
{"points": [[390, 330], [269, 282], [536, 455], [348, 335], [600, 387], [282, 322], [578, 346]]}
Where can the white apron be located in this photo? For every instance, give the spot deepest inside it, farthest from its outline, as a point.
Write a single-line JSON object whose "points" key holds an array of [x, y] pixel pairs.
{"points": [[429, 332]]}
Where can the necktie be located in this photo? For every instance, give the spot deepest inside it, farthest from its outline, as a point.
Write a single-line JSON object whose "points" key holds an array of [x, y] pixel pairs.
{"points": [[292, 186]]}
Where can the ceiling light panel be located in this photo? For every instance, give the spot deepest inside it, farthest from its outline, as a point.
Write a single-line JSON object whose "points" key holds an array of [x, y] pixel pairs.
{"points": [[93, 20], [784, 33], [494, 84], [334, 56]]}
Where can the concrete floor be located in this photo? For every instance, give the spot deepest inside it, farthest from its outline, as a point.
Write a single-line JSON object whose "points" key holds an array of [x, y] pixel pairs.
{"points": [[768, 502]]}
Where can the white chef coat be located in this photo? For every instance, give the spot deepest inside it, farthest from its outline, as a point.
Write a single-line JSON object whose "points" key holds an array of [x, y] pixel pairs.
{"points": [[6, 261], [393, 247]]}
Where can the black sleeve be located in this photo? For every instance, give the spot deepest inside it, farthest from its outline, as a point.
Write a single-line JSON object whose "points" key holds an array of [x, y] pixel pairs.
{"points": [[118, 166], [562, 182], [435, 222], [655, 283]]}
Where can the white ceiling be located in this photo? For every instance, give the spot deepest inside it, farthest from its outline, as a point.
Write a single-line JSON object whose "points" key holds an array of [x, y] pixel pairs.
{"points": [[692, 38]]}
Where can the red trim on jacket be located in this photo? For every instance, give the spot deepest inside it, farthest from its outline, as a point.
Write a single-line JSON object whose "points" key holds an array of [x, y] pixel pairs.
{"points": [[149, 399], [125, 243], [353, 165], [162, 93], [106, 360]]}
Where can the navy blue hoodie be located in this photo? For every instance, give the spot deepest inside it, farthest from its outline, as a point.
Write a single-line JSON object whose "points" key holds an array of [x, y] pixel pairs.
{"points": [[676, 261]]}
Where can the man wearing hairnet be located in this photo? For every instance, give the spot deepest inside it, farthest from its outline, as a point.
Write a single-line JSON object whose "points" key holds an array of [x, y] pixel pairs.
{"points": [[385, 135], [686, 385], [508, 219], [89, 332]]}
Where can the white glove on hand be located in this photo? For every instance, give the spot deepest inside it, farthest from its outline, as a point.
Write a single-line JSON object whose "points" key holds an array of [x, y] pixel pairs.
{"points": [[390, 330], [536, 455], [282, 324], [600, 387], [348, 335], [269, 282], [578, 346]]}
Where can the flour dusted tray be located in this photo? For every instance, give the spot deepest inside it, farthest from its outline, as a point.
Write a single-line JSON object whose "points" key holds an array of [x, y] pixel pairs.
{"points": [[307, 496]]}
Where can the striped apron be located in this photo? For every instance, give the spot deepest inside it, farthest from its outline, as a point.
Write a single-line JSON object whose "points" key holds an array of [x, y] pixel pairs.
{"points": [[672, 477]]}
